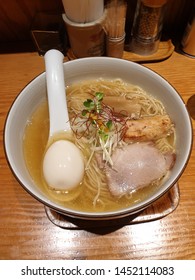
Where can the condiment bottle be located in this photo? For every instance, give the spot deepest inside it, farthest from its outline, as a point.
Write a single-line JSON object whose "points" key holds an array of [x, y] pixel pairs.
{"points": [[147, 26], [188, 40]]}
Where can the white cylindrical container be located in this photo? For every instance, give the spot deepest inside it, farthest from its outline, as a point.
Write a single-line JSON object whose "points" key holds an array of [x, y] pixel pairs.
{"points": [[83, 11]]}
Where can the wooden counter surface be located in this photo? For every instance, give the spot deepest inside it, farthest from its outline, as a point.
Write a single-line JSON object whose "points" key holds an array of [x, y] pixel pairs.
{"points": [[27, 233]]}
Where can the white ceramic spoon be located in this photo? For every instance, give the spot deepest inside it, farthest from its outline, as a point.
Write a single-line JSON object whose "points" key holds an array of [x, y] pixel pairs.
{"points": [[63, 165]]}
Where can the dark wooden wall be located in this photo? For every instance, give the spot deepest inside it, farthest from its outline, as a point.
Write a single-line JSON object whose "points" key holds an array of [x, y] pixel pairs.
{"points": [[16, 18]]}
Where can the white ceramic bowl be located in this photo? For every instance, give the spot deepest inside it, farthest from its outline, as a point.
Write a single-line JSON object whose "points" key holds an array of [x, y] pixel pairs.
{"points": [[87, 68]]}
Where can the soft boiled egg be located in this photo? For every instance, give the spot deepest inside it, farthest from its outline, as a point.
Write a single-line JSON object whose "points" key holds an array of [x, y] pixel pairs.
{"points": [[63, 166]]}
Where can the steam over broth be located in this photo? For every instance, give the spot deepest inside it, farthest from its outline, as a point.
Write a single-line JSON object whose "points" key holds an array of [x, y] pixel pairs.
{"points": [[93, 194]]}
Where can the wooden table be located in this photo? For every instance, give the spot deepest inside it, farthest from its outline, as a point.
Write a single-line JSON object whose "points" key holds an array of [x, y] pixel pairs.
{"points": [[27, 233]]}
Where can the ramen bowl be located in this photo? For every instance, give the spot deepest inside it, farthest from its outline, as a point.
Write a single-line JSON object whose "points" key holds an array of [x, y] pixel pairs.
{"points": [[94, 68]]}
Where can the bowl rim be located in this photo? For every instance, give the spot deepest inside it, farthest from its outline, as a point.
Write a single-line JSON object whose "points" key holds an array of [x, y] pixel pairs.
{"points": [[95, 215]]}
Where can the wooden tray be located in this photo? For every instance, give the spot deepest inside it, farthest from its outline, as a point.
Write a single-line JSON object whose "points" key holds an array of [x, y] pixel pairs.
{"points": [[165, 50], [159, 209]]}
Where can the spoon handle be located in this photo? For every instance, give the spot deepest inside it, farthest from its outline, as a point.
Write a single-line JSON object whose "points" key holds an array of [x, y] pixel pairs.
{"points": [[58, 111]]}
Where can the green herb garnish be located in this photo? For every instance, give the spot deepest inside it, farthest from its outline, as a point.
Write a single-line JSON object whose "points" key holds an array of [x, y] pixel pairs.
{"points": [[98, 121]]}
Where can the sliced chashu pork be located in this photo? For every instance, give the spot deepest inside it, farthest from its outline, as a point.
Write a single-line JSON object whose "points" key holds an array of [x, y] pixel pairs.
{"points": [[136, 166], [123, 106]]}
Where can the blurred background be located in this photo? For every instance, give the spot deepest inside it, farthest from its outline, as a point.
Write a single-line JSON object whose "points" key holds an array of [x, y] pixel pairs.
{"points": [[17, 17]]}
